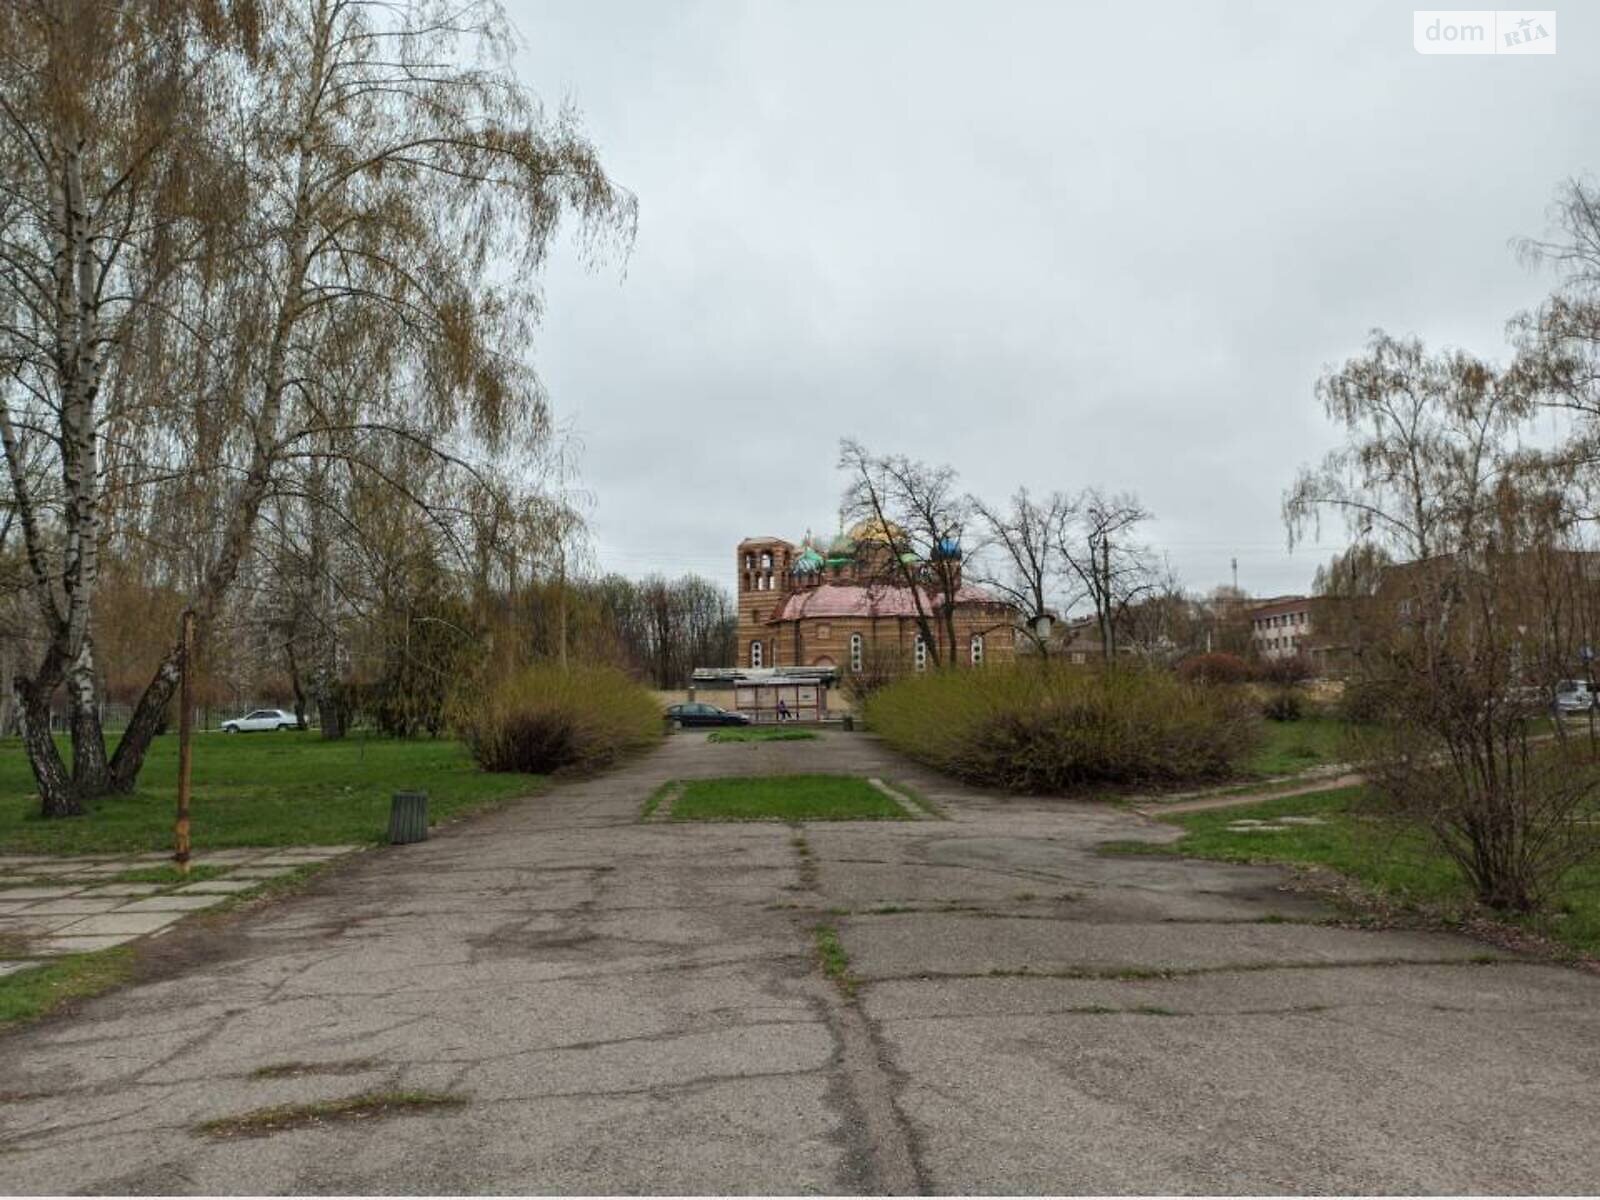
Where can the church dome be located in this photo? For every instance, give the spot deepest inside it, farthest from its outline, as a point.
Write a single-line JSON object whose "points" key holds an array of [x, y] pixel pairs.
{"points": [[948, 548], [842, 546], [882, 533], [807, 562]]}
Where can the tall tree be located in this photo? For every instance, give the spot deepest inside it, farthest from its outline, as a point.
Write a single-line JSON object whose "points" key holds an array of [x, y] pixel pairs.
{"points": [[104, 203], [923, 518], [1114, 571], [1425, 445], [1026, 539]]}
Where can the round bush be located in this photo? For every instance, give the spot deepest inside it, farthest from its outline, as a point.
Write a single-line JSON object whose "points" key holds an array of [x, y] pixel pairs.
{"points": [[544, 718], [1047, 728]]}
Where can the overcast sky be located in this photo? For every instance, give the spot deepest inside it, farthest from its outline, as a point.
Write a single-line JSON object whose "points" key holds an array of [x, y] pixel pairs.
{"points": [[1051, 244]]}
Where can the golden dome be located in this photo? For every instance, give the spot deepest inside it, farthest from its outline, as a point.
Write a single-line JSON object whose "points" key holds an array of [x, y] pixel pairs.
{"points": [[882, 533]]}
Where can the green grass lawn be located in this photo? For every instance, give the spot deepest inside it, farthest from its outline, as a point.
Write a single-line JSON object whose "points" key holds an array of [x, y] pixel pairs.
{"points": [[785, 798], [259, 789], [1399, 860], [761, 733], [1290, 747]]}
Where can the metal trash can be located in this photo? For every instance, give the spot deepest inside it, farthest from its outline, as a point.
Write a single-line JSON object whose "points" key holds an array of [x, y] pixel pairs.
{"points": [[848, 722], [408, 818]]}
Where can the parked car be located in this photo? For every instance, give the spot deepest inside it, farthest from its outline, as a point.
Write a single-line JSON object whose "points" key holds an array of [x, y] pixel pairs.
{"points": [[693, 715], [1574, 696], [262, 720]]}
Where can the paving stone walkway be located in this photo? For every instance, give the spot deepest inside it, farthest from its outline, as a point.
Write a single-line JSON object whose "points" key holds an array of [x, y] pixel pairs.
{"points": [[52, 905]]}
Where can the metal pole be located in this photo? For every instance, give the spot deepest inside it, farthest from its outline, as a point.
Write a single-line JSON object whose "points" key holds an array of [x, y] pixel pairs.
{"points": [[185, 728]]}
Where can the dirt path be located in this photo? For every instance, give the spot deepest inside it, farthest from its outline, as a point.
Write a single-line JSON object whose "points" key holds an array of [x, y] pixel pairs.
{"points": [[626, 1007], [1267, 791]]}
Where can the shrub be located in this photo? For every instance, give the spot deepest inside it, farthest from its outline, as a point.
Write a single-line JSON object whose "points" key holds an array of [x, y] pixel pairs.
{"points": [[1368, 700], [1515, 818], [1287, 672], [1214, 668], [1283, 704], [543, 718], [1044, 727]]}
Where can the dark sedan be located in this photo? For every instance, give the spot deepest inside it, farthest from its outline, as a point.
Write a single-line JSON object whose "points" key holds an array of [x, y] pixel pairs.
{"points": [[698, 715]]}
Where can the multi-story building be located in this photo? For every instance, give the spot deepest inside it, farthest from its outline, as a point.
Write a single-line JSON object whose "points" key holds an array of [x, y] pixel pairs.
{"points": [[1283, 626], [844, 605]]}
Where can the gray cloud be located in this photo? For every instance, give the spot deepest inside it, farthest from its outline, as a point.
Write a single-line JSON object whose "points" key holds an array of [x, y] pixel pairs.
{"points": [[1050, 244]]}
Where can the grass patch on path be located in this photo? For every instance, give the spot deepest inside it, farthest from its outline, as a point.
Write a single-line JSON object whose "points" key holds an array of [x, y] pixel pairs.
{"points": [[785, 798], [365, 1107], [38, 991], [761, 733], [170, 875], [1397, 860], [259, 789]]}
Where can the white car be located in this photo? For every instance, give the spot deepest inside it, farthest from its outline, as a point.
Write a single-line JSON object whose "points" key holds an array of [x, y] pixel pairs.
{"points": [[260, 720], [1574, 696]]}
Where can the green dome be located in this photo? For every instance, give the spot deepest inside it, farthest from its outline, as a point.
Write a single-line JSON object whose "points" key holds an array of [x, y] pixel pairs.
{"points": [[807, 562]]}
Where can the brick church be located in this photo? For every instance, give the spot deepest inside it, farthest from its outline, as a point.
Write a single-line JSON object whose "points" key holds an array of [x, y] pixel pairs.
{"points": [[839, 605]]}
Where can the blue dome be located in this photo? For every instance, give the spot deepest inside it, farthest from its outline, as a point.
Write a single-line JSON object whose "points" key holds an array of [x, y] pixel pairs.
{"points": [[948, 548]]}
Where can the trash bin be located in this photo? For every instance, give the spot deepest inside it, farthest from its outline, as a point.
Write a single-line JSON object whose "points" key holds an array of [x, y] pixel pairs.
{"points": [[408, 818], [848, 722]]}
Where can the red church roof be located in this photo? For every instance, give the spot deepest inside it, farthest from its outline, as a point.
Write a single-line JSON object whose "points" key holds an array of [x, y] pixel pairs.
{"points": [[864, 600]]}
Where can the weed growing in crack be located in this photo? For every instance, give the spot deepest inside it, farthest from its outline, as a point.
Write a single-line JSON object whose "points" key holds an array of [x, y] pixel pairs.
{"points": [[834, 960], [364, 1107]]}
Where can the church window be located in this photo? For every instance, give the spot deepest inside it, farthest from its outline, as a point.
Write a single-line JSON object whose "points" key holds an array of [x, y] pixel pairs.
{"points": [[977, 649], [919, 653], [855, 652], [755, 654]]}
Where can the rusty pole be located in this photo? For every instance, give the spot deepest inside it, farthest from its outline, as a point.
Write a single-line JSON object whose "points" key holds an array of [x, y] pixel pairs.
{"points": [[185, 728]]}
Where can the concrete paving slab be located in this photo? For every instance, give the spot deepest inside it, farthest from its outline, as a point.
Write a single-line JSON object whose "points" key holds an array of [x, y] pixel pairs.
{"points": [[72, 906], [66, 943], [26, 925], [216, 887], [254, 872], [12, 966], [122, 922], [126, 890], [42, 893], [170, 902]]}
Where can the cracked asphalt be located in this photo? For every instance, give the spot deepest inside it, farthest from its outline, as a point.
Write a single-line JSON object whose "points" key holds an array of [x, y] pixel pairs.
{"points": [[636, 1007]]}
